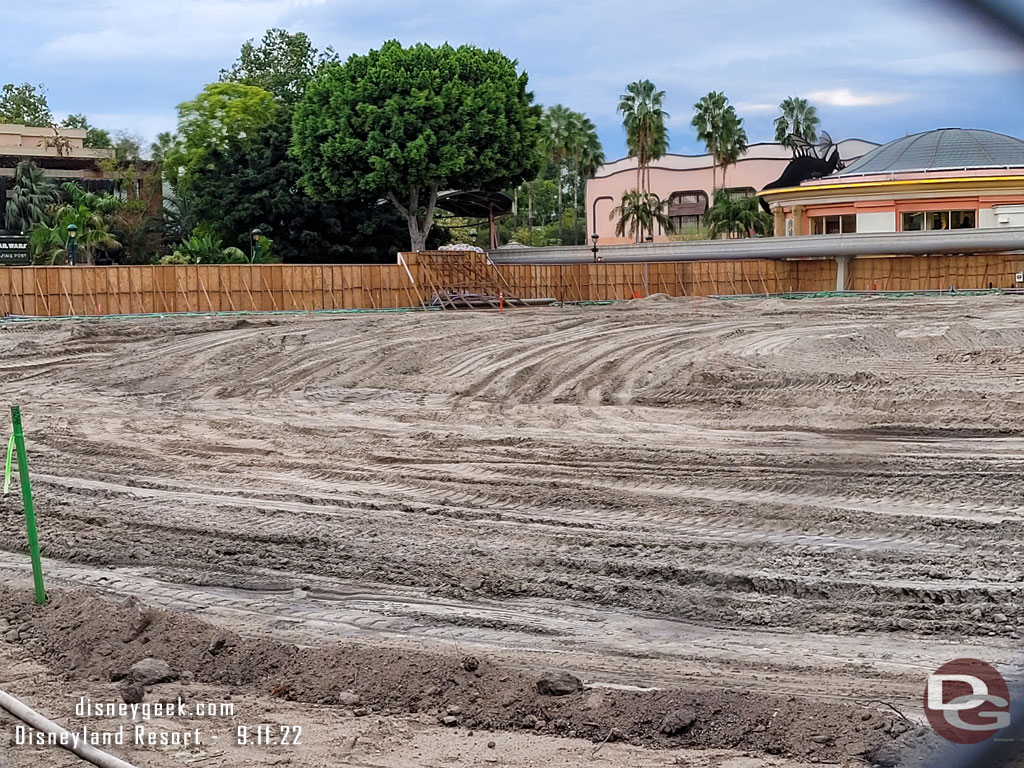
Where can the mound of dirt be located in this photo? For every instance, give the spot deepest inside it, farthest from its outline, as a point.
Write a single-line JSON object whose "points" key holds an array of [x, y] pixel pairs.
{"points": [[84, 634]]}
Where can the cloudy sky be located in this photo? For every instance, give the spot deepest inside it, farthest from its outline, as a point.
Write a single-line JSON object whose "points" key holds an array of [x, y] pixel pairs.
{"points": [[876, 69]]}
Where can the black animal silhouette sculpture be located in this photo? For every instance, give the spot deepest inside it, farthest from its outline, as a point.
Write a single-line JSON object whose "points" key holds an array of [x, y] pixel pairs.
{"points": [[810, 161]]}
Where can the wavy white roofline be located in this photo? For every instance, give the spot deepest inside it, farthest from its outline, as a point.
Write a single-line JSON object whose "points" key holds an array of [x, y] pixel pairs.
{"points": [[848, 149]]}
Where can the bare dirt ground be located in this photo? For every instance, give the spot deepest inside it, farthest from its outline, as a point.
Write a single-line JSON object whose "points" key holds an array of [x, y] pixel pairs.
{"points": [[748, 527]]}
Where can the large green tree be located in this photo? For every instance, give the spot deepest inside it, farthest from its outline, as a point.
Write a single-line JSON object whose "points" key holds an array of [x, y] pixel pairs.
{"points": [[25, 104], [798, 119], [404, 123], [31, 197], [644, 120], [252, 181]]}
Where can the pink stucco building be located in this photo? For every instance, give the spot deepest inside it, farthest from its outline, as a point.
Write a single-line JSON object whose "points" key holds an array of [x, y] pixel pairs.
{"points": [[686, 181]]}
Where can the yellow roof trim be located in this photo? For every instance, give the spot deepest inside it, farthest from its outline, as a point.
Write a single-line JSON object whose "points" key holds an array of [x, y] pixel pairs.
{"points": [[891, 183]]}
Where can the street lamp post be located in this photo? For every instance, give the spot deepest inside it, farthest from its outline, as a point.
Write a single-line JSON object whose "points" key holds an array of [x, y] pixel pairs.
{"points": [[594, 249], [593, 209], [254, 246], [72, 243]]}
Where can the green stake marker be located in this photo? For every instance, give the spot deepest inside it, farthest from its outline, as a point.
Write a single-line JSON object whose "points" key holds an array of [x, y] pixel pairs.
{"points": [[30, 514]]}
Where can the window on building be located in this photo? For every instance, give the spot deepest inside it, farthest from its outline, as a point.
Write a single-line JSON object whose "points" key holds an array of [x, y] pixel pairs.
{"points": [[685, 198], [934, 220], [834, 225], [912, 222], [686, 209], [740, 191], [683, 223], [963, 220]]}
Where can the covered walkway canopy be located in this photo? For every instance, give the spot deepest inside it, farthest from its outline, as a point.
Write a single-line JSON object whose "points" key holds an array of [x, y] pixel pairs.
{"points": [[477, 204]]}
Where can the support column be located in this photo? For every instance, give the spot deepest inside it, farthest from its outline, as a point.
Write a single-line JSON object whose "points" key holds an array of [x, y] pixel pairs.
{"points": [[780, 220], [798, 220], [841, 271]]}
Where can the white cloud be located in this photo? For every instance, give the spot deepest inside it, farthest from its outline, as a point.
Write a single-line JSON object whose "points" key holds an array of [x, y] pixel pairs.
{"points": [[987, 61], [844, 97], [183, 29]]}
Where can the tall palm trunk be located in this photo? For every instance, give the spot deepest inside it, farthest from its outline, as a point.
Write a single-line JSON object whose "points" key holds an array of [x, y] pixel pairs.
{"points": [[559, 201], [714, 167], [576, 200]]}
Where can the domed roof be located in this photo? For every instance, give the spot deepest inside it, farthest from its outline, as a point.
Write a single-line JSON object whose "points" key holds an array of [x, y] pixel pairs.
{"points": [[941, 150]]}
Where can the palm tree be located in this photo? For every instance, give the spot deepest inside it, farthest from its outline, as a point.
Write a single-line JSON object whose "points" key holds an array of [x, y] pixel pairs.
{"points": [[644, 120], [587, 156], [105, 205], [798, 119], [180, 215], [737, 215], [166, 142], [732, 141], [638, 212], [556, 123], [708, 122], [721, 130], [91, 214], [32, 195], [49, 243]]}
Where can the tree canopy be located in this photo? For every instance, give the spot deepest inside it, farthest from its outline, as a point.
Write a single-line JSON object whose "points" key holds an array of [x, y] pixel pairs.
{"points": [[403, 123], [721, 130], [24, 104], [249, 180], [644, 120], [282, 64], [798, 119], [220, 113]]}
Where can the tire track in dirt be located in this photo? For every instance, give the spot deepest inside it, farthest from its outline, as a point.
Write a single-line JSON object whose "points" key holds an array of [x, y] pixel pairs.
{"points": [[605, 645], [752, 474]]}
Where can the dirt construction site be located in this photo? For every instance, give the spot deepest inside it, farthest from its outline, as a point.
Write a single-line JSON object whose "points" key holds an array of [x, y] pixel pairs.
{"points": [[731, 534]]}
